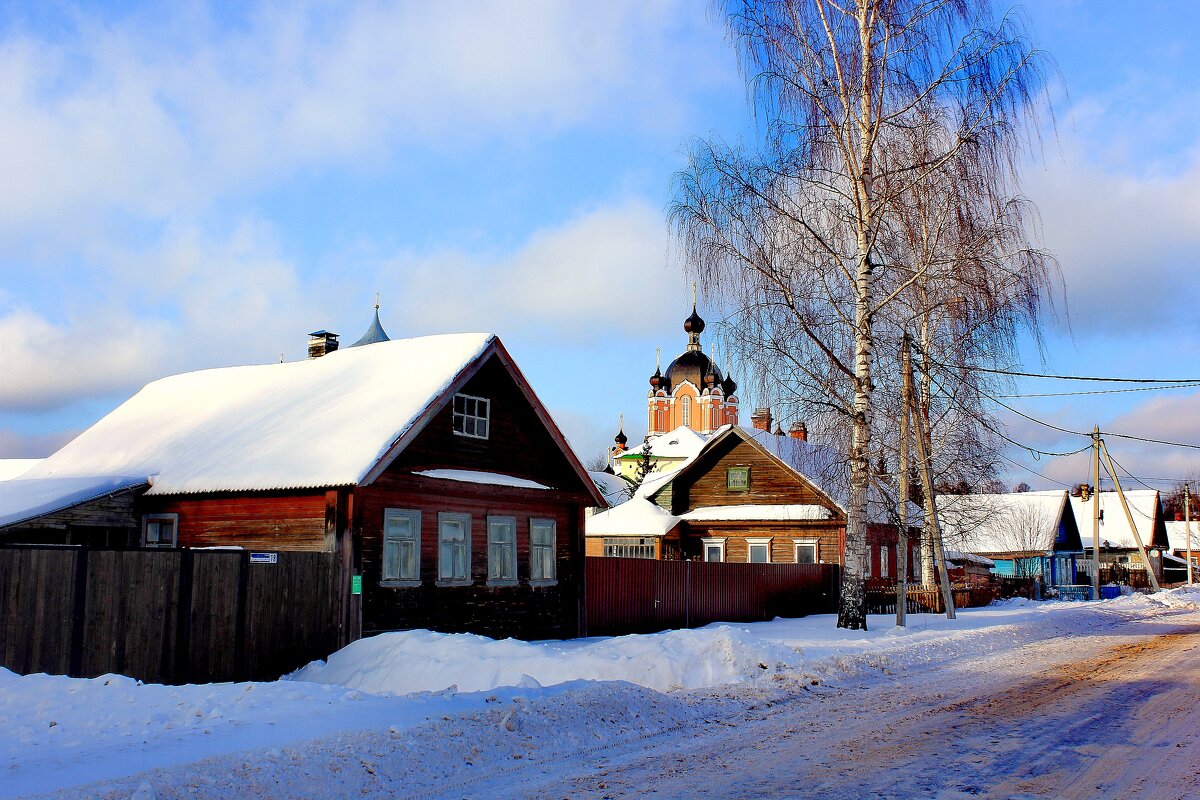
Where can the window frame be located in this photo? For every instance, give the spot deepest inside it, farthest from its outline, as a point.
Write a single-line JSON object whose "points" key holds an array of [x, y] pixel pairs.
{"points": [[535, 576], [414, 517], [815, 544], [642, 547], [465, 519], [503, 580], [884, 566], [456, 415], [757, 541], [173, 518], [717, 542], [685, 410], [729, 483]]}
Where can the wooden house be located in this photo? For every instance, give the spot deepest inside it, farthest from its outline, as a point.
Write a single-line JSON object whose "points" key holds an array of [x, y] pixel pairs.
{"points": [[1118, 547], [733, 500], [428, 464]]}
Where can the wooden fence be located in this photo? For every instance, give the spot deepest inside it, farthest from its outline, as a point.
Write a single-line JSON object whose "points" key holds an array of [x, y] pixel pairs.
{"points": [[925, 600], [167, 616], [634, 595]]}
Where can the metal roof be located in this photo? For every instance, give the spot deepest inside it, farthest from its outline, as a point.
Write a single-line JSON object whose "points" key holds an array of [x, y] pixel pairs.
{"points": [[374, 334]]}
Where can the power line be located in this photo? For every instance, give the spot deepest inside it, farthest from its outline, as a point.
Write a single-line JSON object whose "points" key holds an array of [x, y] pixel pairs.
{"points": [[1097, 391], [1093, 379]]}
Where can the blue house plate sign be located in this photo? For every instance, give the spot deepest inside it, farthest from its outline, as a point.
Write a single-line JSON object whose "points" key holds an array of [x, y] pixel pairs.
{"points": [[264, 558]]}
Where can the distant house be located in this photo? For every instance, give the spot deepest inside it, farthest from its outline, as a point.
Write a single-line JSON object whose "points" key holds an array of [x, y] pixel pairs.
{"points": [[428, 463], [1177, 538], [732, 500], [1117, 544], [1025, 534]]}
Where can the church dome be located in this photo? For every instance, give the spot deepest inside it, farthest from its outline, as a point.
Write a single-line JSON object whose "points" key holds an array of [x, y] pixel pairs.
{"points": [[374, 334], [692, 366], [694, 323]]}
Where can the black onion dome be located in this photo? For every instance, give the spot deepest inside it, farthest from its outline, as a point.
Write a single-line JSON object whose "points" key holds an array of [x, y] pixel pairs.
{"points": [[656, 378], [692, 366], [621, 438], [694, 323], [728, 386]]}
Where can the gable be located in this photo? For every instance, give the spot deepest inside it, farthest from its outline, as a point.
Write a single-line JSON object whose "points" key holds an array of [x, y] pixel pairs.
{"points": [[705, 482], [518, 442]]}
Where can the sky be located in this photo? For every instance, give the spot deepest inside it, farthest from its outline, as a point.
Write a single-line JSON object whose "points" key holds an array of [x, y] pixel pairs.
{"points": [[202, 184]]}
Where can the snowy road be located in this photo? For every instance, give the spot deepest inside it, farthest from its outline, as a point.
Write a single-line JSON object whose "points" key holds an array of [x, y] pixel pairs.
{"points": [[1076, 701]]}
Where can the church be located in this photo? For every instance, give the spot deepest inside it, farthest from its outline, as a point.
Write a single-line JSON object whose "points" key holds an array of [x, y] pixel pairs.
{"points": [[692, 393]]}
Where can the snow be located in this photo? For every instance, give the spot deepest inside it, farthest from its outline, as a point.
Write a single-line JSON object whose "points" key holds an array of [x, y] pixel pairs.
{"points": [[26, 498], [955, 555], [458, 698], [635, 517], [474, 476], [614, 488], [681, 443], [1114, 527], [16, 467], [1177, 535], [756, 513], [313, 423], [1018, 522]]}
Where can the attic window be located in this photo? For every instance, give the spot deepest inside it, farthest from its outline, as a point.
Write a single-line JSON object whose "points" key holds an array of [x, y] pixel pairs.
{"points": [[159, 530], [471, 416], [737, 479]]}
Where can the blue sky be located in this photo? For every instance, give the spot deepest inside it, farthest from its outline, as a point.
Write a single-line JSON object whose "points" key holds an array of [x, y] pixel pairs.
{"points": [[203, 185]]}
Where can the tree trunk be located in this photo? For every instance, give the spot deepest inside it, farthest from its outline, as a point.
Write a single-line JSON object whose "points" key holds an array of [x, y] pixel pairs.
{"points": [[924, 401]]}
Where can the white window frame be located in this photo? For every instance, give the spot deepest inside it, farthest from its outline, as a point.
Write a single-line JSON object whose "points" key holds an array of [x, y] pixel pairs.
{"points": [[815, 544], [738, 470], [914, 561], [414, 518], [537, 576], [712, 541], [465, 520], [685, 410], [497, 548], [758, 541], [884, 566], [148, 519], [471, 421]]}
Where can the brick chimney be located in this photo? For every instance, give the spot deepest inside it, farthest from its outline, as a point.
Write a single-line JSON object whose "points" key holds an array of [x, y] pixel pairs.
{"points": [[761, 419], [321, 343], [799, 431]]}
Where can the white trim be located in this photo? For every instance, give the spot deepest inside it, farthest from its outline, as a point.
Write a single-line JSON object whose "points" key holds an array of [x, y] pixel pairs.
{"points": [[814, 543], [758, 541], [454, 516], [486, 417], [884, 566], [414, 517], [552, 579], [712, 541], [512, 545], [172, 518]]}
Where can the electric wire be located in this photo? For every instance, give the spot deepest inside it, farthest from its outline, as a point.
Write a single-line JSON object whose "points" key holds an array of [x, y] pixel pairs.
{"points": [[1097, 391], [1092, 379]]}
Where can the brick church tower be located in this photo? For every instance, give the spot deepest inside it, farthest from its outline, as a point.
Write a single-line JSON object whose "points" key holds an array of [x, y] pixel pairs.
{"points": [[692, 391]]}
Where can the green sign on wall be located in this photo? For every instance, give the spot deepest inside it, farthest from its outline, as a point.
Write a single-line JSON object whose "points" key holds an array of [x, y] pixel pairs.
{"points": [[356, 584]]}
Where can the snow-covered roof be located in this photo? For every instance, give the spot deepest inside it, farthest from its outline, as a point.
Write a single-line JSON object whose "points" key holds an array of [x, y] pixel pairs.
{"points": [[955, 555], [476, 476], [1177, 535], [636, 517], [22, 499], [321, 422], [16, 467], [683, 442], [1114, 527], [1020, 522], [616, 490], [756, 513]]}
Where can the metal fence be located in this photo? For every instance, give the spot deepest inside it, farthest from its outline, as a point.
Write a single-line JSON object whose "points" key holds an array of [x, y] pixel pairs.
{"points": [[167, 616], [635, 595]]}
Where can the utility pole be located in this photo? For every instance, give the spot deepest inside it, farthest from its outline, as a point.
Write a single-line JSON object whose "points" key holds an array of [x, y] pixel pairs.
{"points": [[1096, 512], [902, 536], [1137, 537], [1187, 526], [935, 526]]}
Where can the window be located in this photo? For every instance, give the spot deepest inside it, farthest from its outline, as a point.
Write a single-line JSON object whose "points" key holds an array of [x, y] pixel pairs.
{"points": [[737, 479], [883, 562], [159, 530], [686, 409], [401, 546], [471, 416], [806, 551], [541, 551], [454, 548], [914, 561], [714, 549], [502, 550], [760, 551], [867, 566], [629, 547]]}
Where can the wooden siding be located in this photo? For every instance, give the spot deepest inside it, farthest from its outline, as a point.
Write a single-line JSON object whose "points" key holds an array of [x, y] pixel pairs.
{"points": [[523, 611], [770, 483], [783, 549], [253, 520], [518, 443]]}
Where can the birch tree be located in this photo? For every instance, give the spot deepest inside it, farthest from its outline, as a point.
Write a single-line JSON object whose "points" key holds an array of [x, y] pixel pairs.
{"points": [[788, 232]]}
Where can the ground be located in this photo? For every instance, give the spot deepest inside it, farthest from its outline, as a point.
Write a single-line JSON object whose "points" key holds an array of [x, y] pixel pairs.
{"points": [[1026, 700]]}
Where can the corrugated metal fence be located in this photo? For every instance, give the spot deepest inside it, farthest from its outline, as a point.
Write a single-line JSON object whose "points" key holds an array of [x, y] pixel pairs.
{"points": [[634, 595], [166, 616]]}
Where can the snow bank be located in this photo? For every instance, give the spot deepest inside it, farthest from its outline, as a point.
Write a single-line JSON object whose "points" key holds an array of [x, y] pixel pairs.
{"points": [[415, 661]]}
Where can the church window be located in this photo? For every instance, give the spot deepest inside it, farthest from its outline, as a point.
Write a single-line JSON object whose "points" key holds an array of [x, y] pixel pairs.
{"points": [[686, 412]]}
